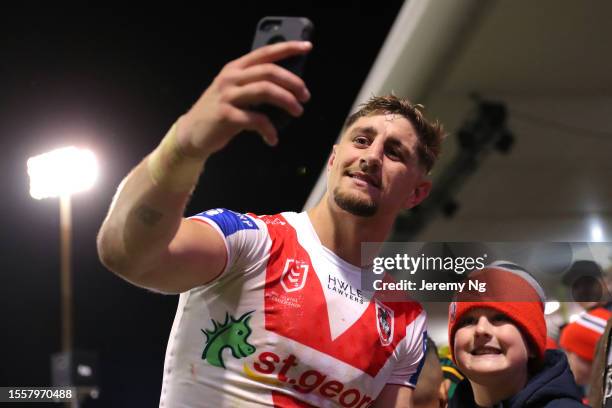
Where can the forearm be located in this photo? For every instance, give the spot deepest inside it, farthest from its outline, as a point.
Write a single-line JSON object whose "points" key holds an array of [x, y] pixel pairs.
{"points": [[143, 236], [147, 210]]}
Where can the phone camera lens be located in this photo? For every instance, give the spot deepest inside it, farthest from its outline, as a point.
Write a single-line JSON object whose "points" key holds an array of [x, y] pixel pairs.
{"points": [[270, 26], [276, 39]]}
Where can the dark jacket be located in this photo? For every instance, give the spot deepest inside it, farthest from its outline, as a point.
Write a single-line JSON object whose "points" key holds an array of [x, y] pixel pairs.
{"points": [[551, 387]]}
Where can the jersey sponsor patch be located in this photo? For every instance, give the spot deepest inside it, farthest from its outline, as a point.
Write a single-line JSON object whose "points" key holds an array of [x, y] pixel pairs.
{"points": [[229, 221], [344, 288], [292, 375]]}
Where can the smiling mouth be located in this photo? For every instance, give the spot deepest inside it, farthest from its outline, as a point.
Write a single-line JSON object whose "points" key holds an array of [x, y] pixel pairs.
{"points": [[482, 351], [364, 177]]}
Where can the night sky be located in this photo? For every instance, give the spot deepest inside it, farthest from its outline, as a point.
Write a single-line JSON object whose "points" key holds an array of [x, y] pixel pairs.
{"points": [[114, 81]]}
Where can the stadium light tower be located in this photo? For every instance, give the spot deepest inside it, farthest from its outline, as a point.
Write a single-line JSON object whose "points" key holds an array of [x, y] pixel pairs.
{"points": [[61, 173]]}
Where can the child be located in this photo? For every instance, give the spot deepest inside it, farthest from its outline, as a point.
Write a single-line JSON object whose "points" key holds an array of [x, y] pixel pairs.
{"points": [[579, 339], [498, 340]]}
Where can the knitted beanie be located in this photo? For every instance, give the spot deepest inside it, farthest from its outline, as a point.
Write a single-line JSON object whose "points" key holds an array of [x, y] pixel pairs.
{"points": [[510, 290], [581, 336]]}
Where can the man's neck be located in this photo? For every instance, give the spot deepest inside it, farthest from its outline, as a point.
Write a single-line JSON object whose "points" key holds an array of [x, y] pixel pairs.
{"points": [[343, 233]]}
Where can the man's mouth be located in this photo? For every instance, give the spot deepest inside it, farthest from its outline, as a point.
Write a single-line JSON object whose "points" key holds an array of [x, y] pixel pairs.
{"points": [[485, 350], [364, 177]]}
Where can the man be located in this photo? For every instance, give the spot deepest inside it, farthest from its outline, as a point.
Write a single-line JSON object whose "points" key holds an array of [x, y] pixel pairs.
{"points": [[590, 286], [271, 312]]}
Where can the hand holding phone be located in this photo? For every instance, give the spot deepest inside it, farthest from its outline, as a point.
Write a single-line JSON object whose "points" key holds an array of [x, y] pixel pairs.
{"points": [[271, 30], [226, 106], [267, 78]]}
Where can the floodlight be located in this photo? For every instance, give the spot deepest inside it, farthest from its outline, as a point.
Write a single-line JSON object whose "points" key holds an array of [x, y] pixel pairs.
{"points": [[62, 172]]}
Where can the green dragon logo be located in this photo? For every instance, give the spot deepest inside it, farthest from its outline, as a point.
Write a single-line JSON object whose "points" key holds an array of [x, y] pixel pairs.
{"points": [[233, 333]]}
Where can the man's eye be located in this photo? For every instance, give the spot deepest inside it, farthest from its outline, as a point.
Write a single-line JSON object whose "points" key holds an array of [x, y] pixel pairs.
{"points": [[361, 140], [394, 154]]}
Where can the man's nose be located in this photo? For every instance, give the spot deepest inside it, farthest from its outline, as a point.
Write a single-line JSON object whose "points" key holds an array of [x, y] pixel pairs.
{"points": [[371, 159]]}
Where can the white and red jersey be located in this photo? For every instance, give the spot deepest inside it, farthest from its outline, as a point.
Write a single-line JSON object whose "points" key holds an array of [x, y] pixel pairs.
{"points": [[286, 325]]}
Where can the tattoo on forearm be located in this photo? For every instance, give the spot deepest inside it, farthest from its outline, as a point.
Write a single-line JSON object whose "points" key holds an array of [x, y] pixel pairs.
{"points": [[148, 215]]}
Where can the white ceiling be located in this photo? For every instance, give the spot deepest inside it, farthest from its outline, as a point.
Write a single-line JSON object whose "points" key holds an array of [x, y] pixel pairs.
{"points": [[550, 63]]}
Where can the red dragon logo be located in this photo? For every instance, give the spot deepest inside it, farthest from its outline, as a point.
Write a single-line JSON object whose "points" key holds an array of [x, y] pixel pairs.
{"points": [[384, 323]]}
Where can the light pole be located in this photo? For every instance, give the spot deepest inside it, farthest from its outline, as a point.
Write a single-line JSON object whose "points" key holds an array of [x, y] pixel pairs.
{"points": [[61, 173]]}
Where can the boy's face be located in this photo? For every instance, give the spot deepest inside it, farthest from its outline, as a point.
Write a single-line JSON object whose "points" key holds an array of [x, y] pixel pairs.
{"points": [[487, 343]]}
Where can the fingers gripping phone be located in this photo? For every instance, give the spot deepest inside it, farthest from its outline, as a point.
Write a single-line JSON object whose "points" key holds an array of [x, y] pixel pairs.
{"points": [[271, 30]]}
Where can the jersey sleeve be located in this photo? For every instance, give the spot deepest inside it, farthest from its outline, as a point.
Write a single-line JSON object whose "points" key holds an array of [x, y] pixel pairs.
{"points": [[407, 371], [246, 238]]}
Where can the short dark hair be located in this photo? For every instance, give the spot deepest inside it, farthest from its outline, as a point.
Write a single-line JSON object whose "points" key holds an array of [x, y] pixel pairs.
{"points": [[430, 134]]}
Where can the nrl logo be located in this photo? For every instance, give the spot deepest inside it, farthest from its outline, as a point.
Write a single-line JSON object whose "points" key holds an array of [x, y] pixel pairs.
{"points": [[233, 333], [294, 275]]}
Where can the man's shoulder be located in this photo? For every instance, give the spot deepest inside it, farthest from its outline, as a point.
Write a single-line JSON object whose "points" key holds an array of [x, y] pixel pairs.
{"points": [[228, 221], [280, 219]]}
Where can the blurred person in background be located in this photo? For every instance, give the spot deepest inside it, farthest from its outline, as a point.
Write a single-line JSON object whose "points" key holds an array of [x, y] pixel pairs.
{"points": [[589, 285], [579, 340], [600, 393], [431, 390], [452, 375]]}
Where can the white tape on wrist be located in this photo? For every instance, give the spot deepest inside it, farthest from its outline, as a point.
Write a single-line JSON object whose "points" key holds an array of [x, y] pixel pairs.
{"points": [[172, 170]]}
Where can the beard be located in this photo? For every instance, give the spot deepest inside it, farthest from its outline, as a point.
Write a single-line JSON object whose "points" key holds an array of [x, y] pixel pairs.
{"points": [[354, 205]]}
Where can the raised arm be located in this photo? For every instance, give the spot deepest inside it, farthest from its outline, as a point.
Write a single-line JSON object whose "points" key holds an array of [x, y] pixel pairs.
{"points": [[144, 238]]}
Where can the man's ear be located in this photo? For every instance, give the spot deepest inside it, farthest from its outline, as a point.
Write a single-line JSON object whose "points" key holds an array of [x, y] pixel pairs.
{"points": [[420, 192], [332, 157]]}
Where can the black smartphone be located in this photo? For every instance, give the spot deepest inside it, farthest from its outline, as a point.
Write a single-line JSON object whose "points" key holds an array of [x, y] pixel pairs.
{"points": [[271, 30]]}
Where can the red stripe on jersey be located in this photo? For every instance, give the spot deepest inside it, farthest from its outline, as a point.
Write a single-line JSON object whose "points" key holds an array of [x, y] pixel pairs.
{"points": [[301, 314], [281, 400]]}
